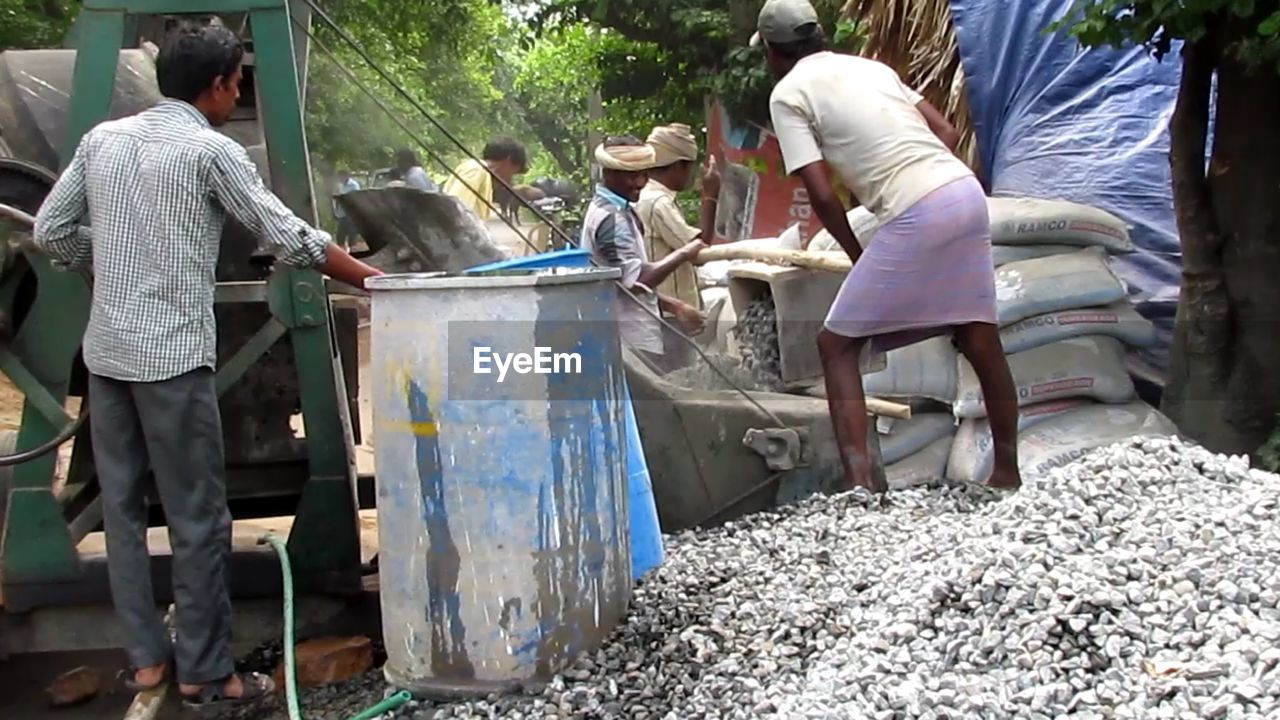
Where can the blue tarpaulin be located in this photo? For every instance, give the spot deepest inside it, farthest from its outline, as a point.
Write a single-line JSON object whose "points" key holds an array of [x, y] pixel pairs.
{"points": [[1091, 126]]}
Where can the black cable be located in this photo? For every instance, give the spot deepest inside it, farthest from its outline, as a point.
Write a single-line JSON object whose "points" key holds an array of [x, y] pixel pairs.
{"points": [[350, 41], [328, 52], [67, 433], [14, 214], [345, 37]]}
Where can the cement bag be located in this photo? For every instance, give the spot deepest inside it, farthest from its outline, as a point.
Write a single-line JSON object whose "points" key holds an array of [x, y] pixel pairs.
{"points": [[1032, 221], [1070, 436], [972, 454], [922, 468], [906, 437], [1118, 320], [1061, 282], [1086, 367], [715, 273], [924, 369], [790, 238], [861, 221], [1005, 254]]}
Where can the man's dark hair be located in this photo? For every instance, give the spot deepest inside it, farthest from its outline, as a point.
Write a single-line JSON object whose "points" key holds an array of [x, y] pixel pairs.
{"points": [[407, 155], [815, 43], [506, 148], [193, 57]]}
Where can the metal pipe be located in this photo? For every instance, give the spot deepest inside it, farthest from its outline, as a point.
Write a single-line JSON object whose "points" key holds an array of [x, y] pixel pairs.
{"points": [[13, 213]]}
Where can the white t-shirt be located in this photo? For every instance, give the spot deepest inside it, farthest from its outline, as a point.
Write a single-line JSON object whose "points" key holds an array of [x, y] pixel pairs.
{"points": [[860, 117]]}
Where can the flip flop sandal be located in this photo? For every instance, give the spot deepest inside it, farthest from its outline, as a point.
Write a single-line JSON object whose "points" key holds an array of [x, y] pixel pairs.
{"points": [[211, 697], [126, 678]]}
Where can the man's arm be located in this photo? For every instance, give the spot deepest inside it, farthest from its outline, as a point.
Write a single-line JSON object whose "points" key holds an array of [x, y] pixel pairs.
{"points": [[652, 274], [59, 232], [825, 204], [945, 131], [710, 201], [938, 124], [802, 156], [635, 272], [239, 188]]}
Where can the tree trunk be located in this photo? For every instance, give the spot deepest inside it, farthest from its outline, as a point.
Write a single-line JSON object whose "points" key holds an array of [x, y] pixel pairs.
{"points": [[1224, 388], [553, 137]]}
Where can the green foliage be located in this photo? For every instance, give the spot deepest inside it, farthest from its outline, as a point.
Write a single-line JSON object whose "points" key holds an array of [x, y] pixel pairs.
{"points": [[700, 45], [744, 83], [26, 24], [1250, 29], [554, 80], [442, 53]]}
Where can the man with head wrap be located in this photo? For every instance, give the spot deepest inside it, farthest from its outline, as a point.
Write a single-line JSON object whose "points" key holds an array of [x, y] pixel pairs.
{"points": [[614, 234], [666, 230]]}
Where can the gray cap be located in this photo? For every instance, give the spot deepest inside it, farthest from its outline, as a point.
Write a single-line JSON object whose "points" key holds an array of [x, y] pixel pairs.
{"points": [[786, 21]]}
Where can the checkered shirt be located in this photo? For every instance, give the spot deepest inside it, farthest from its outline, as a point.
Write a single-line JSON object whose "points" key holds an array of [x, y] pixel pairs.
{"points": [[156, 189]]}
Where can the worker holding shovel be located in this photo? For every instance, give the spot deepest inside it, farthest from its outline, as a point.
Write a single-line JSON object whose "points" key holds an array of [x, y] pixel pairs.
{"points": [[928, 270], [614, 234]]}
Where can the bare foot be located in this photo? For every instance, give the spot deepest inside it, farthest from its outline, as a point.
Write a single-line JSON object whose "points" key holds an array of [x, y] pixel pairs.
{"points": [[861, 475], [1005, 477], [149, 676]]}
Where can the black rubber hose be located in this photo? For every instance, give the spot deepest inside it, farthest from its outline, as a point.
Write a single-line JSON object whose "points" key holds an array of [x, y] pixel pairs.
{"points": [[67, 433], [74, 426]]}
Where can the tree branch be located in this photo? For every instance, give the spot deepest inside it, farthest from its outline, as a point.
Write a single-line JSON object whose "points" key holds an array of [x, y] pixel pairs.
{"points": [[551, 134]]}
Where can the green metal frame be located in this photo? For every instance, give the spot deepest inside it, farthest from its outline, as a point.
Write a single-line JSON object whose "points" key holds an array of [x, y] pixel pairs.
{"points": [[39, 546]]}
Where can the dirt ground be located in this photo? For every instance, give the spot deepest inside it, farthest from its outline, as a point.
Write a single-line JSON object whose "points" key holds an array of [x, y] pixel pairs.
{"points": [[10, 405]]}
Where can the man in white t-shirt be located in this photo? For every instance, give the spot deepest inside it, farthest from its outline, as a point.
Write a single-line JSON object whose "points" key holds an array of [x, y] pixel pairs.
{"points": [[928, 270]]}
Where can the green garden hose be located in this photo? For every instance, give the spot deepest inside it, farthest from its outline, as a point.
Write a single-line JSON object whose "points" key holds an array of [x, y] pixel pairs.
{"points": [[290, 669]]}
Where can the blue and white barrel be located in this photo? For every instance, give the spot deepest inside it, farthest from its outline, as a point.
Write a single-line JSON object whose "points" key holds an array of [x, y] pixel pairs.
{"points": [[501, 473]]}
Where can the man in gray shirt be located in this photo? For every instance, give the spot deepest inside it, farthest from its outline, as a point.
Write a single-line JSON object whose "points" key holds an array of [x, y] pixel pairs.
{"points": [[411, 172], [614, 235], [142, 203]]}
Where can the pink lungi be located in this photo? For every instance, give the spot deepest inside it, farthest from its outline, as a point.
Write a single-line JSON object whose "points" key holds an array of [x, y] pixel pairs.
{"points": [[925, 272]]}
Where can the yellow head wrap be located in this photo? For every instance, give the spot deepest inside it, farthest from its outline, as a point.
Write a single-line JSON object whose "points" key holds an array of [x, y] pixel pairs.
{"points": [[673, 143], [625, 158]]}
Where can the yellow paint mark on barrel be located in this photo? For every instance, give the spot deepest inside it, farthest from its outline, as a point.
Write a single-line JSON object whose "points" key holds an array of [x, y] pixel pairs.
{"points": [[421, 429]]}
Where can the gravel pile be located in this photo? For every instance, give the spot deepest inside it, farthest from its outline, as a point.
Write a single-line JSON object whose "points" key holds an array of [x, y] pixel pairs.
{"points": [[1139, 582]]}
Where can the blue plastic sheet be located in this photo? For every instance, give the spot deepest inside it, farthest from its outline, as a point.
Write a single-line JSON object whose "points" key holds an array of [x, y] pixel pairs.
{"points": [[1056, 121]]}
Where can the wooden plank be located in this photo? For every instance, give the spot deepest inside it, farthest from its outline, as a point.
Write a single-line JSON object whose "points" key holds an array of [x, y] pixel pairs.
{"points": [[827, 260], [243, 532]]}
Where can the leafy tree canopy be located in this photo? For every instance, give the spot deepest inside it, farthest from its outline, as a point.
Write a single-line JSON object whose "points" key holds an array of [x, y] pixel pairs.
{"points": [[1250, 28]]}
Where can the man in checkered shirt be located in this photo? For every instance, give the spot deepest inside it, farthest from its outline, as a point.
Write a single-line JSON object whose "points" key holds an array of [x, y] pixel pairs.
{"points": [[142, 204]]}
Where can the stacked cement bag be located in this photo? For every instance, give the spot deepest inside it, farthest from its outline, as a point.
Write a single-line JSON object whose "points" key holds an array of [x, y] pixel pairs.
{"points": [[926, 375], [1066, 325]]}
